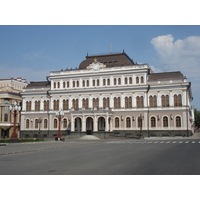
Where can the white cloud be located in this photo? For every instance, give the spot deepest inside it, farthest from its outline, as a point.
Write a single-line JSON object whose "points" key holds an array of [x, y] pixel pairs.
{"points": [[31, 56], [182, 55]]}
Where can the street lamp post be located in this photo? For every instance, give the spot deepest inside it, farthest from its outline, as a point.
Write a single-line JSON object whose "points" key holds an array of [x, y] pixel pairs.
{"points": [[59, 115], [39, 122], [14, 108], [140, 119]]}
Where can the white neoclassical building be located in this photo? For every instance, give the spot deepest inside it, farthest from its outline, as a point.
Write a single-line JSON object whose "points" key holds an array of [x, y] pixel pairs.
{"points": [[108, 94]]}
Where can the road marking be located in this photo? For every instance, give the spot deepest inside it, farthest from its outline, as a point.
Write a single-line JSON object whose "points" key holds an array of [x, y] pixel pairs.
{"points": [[181, 142], [174, 142], [193, 142], [187, 142], [168, 142]]}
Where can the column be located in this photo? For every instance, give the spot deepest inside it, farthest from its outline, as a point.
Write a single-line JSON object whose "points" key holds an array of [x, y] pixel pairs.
{"points": [[61, 84], [111, 101], [184, 103], [159, 99], [145, 99], [133, 100], [33, 104], [42, 104], [90, 101], [51, 103], [79, 102], [107, 123], [60, 103], [111, 81], [111, 124], [171, 99], [23, 104], [122, 100], [95, 121], [100, 101], [122, 80], [72, 123], [70, 102], [83, 128]]}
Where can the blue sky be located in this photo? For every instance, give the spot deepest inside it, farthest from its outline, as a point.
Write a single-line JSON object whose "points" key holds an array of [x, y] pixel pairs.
{"points": [[31, 52]]}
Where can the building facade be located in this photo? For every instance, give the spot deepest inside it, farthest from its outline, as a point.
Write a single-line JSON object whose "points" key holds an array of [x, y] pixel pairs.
{"points": [[10, 92], [108, 94]]}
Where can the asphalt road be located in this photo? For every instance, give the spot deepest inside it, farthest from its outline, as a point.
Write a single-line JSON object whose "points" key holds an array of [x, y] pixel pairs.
{"points": [[102, 157]]}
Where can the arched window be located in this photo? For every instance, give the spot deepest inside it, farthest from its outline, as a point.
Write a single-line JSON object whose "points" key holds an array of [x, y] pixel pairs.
{"points": [[85, 103], [116, 122], [115, 81], [95, 103], [106, 102], [46, 105], [55, 123], [45, 123], [117, 102], [75, 103], [88, 83], [119, 81], [104, 82], [74, 84], [153, 122], [63, 84], [65, 104], [54, 85], [27, 123], [177, 100], [126, 80], [165, 121], [97, 82], [56, 104], [67, 84], [77, 83], [178, 121], [37, 105], [130, 80], [83, 83], [165, 100], [36, 123], [128, 122], [93, 82], [65, 123], [128, 102], [140, 102], [153, 101], [108, 81], [142, 79], [28, 106], [58, 84], [137, 80]]}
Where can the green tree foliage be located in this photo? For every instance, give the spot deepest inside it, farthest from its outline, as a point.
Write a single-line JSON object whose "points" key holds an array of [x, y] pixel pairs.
{"points": [[197, 118]]}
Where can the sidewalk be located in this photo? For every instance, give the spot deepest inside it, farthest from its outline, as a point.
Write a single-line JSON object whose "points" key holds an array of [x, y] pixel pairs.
{"points": [[194, 136]]}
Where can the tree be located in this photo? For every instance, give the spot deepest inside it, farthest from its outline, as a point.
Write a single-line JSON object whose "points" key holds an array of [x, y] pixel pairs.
{"points": [[197, 118]]}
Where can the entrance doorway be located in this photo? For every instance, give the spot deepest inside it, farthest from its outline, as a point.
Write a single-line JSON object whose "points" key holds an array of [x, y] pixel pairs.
{"points": [[78, 124], [4, 133], [101, 124], [89, 126]]}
